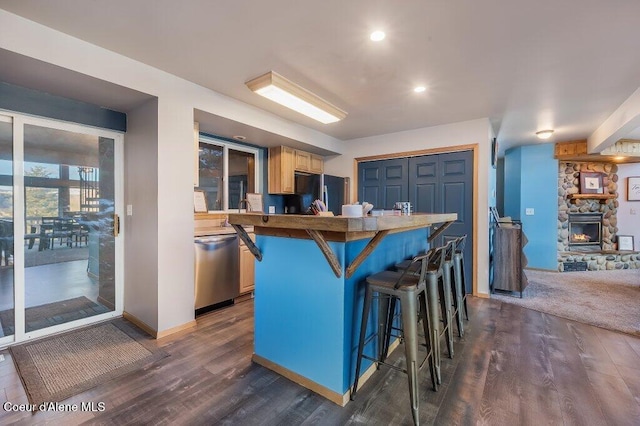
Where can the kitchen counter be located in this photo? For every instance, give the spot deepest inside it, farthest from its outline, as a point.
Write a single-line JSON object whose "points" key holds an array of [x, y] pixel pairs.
{"points": [[310, 288], [340, 223]]}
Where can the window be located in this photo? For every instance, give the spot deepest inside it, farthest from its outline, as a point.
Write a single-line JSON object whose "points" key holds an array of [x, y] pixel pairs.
{"points": [[226, 172]]}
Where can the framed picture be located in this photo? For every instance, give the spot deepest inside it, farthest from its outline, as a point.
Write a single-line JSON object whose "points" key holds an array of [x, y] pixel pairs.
{"points": [[625, 242], [199, 201], [494, 152], [255, 202], [633, 188], [591, 183]]}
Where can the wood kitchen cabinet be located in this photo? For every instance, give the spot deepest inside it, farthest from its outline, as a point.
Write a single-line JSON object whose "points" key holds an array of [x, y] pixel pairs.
{"points": [[316, 164], [303, 161], [247, 267], [308, 163], [281, 170], [284, 162]]}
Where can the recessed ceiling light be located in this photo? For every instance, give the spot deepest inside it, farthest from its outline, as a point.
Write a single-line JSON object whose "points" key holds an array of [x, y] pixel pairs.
{"points": [[240, 137], [544, 134], [377, 35], [419, 89]]}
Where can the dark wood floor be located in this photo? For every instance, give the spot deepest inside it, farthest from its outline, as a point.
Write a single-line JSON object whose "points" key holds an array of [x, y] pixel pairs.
{"points": [[514, 366]]}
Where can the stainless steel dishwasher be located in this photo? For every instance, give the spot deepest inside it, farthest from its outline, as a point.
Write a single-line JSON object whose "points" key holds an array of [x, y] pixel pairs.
{"points": [[217, 275]]}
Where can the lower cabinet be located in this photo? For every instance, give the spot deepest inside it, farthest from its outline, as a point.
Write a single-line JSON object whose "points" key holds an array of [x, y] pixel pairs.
{"points": [[509, 259], [247, 267]]}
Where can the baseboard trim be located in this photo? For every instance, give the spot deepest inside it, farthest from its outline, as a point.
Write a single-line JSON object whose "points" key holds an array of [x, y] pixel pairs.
{"points": [[335, 397], [176, 329], [243, 297], [154, 333]]}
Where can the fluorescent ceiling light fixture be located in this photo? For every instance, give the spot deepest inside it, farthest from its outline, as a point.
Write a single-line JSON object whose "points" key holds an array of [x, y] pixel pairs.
{"points": [[277, 88], [419, 89], [544, 134], [377, 35]]}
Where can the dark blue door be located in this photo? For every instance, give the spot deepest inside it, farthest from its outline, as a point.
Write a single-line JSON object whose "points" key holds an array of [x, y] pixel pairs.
{"points": [[383, 183], [443, 183], [439, 183]]}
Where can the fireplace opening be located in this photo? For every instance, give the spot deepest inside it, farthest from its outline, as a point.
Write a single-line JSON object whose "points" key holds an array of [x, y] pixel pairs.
{"points": [[585, 231]]}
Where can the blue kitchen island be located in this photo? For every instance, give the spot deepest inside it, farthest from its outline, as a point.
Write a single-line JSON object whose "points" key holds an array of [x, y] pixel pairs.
{"points": [[309, 289]]}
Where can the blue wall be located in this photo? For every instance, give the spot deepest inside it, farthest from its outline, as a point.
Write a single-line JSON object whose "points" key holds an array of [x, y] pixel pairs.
{"points": [[512, 178], [531, 181], [306, 319]]}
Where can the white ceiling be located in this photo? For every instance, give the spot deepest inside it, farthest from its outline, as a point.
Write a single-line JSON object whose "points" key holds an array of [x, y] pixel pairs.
{"points": [[526, 65]]}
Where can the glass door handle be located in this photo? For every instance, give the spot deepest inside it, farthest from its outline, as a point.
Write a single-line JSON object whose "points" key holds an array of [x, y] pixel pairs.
{"points": [[116, 225]]}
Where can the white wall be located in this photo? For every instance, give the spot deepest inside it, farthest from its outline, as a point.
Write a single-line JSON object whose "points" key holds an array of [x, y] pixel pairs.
{"points": [[628, 224], [140, 230], [468, 132]]}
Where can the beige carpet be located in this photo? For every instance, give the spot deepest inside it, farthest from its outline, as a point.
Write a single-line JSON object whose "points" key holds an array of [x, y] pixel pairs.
{"points": [[57, 367], [607, 299]]}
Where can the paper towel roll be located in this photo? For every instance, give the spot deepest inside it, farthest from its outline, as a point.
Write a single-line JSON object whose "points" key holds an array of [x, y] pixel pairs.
{"points": [[352, 210]]}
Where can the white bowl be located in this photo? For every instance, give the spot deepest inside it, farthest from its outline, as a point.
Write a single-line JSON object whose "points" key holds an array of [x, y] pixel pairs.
{"points": [[352, 210]]}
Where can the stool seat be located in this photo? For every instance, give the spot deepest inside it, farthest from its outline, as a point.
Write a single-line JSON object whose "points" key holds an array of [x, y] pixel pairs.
{"points": [[406, 265], [389, 279]]}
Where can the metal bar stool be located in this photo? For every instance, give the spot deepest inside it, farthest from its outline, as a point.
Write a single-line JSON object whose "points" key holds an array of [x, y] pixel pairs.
{"points": [[438, 286], [459, 274], [456, 284], [409, 289]]}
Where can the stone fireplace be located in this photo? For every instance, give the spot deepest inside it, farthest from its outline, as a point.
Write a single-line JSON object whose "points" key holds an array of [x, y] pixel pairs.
{"points": [[587, 228]]}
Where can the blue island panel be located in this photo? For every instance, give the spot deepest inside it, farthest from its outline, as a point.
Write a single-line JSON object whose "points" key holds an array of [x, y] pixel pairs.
{"points": [[306, 319]]}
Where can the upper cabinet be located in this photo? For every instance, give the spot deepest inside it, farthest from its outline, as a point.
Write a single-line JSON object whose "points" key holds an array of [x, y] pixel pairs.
{"points": [[317, 164], [303, 161], [284, 162], [281, 165], [308, 163]]}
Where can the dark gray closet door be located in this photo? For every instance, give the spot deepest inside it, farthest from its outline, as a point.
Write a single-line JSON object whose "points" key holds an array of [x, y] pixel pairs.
{"points": [[383, 183], [443, 183]]}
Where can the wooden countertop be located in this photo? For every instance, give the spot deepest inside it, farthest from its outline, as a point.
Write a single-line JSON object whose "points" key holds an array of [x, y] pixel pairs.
{"points": [[340, 223], [324, 228]]}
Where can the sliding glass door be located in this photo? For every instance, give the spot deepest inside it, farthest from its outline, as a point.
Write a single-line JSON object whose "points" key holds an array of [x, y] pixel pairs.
{"points": [[7, 294], [66, 252]]}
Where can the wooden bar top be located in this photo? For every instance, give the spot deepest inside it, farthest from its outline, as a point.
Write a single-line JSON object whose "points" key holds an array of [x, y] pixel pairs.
{"points": [[340, 223]]}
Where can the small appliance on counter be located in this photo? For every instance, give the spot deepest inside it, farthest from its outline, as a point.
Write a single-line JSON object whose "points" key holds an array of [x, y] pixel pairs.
{"points": [[403, 206]]}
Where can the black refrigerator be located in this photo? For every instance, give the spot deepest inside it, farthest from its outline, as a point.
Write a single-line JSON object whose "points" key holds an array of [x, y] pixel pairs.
{"points": [[332, 190]]}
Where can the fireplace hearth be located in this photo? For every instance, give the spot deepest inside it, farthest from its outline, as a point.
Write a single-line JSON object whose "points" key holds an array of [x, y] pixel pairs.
{"points": [[585, 232]]}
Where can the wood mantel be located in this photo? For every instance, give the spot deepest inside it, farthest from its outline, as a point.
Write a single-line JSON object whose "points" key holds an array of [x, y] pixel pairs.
{"points": [[602, 197], [577, 151]]}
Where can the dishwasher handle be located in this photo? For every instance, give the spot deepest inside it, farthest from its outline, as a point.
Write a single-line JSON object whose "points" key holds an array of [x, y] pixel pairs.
{"points": [[215, 239]]}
